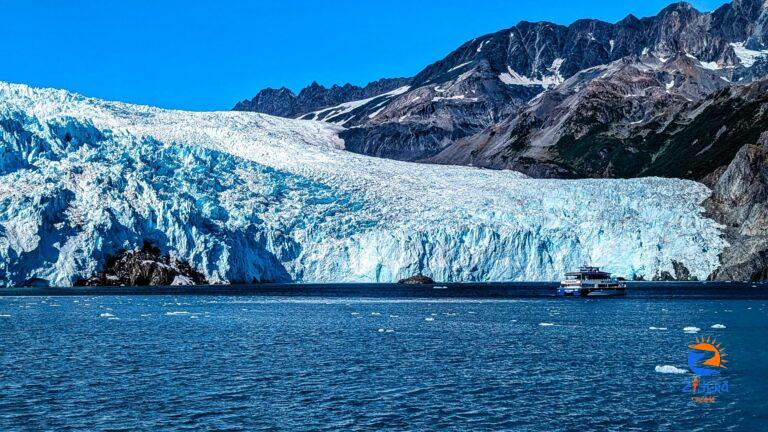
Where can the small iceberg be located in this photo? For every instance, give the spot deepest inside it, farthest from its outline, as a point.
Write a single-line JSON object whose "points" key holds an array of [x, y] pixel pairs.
{"points": [[668, 369], [106, 315], [718, 326], [691, 329], [429, 319]]}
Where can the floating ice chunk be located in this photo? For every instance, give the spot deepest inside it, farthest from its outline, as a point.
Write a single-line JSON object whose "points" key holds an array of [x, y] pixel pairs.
{"points": [[691, 329], [668, 369], [381, 330], [718, 326], [106, 315], [429, 319], [657, 328]]}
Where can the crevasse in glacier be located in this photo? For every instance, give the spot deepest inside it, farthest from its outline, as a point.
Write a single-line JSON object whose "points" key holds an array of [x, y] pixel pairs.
{"points": [[248, 197]]}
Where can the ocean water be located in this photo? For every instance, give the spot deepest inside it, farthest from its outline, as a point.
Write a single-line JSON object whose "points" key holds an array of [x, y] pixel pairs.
{"points": [[364, 360]]}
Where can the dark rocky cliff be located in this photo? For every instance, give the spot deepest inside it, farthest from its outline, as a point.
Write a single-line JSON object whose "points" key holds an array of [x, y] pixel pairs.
{"points": [[740, 202]]}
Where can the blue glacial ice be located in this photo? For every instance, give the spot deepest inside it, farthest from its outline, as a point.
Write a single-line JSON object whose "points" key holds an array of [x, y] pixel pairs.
{"points": [[249, 197]]}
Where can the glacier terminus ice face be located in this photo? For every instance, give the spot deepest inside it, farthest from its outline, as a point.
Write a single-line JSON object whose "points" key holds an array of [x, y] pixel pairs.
{"points": [[247, 197]]}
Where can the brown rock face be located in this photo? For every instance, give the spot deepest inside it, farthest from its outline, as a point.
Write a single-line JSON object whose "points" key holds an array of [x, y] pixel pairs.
{"points": [[740, 202]]}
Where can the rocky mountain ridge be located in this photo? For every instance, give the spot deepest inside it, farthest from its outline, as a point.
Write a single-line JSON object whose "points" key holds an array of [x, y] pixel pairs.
{"points": [[284, 103], [491, 78]]}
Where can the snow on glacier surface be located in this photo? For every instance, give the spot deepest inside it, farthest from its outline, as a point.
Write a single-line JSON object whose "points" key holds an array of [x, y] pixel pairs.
{"points": [[249, 197]]}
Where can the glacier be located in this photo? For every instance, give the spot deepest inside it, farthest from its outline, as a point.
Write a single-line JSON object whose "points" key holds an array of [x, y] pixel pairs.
{"points": [[247, 197]]}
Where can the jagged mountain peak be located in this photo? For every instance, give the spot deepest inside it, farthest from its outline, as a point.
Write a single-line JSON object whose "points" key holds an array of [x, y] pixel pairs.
{"points": [[315, 96], [681, 6]]}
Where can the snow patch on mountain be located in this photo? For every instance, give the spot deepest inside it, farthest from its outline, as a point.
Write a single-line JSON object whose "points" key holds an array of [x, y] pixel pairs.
{"points": [[249, 197], [511, 77], [336, 113], [747, 56]]}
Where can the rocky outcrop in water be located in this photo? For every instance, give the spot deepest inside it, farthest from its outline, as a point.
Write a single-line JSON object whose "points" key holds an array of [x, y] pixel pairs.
{"points": [[145, 267], [417, 280], [680, 273]]}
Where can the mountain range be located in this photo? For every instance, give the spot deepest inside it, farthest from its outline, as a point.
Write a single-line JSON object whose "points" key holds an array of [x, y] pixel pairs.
{"points": [[681, 94], [494, 77]]}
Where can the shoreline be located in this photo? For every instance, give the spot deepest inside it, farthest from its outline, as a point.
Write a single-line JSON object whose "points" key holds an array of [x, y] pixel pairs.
{"points": [[644, 289]]}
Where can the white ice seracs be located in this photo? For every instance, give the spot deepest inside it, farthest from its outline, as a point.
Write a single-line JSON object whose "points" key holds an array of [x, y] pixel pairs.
{"points": [[245, 196], [747, 56]]}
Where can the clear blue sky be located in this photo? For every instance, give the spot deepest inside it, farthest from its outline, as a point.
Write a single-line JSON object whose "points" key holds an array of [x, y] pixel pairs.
{"points": [[207, 55]]}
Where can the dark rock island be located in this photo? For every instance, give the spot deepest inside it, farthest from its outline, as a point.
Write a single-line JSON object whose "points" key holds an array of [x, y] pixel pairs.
{"points": [[144, 267], [416, 280]]}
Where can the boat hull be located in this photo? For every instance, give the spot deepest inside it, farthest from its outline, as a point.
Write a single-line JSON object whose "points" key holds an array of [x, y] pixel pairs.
{"points": [[591, 292]]}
